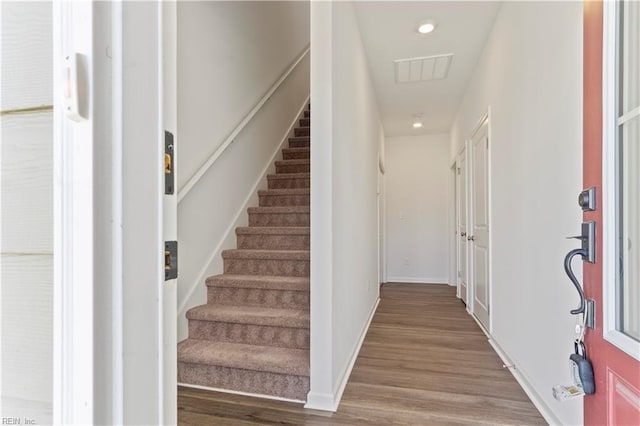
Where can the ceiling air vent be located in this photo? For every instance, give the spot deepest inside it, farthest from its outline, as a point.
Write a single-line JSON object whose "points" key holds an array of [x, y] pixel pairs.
{"points": [[423, 69]]}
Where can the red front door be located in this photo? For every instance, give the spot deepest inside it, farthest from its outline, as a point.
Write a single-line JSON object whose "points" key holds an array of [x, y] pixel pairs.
{"points": [[617, 371]]}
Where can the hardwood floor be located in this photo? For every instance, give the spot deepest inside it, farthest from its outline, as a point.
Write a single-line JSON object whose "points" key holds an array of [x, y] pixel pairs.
{"points": [[424, 362]]}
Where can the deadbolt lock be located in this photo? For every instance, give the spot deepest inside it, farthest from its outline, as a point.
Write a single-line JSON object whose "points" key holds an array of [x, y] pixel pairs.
{"points": [[169, 162], [170, 260]]}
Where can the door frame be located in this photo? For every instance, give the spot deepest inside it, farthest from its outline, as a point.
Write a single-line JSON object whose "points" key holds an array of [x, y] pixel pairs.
{"points": [[108, 216], [453, 226], [486, 116], [462, 157], [73, 225]]}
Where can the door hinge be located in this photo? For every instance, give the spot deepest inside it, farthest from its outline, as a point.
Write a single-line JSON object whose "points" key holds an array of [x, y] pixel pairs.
{"points": [[170, 260], [168, 163]]}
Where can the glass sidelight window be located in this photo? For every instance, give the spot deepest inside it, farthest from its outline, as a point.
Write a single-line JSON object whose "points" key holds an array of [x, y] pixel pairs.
{"points": [[627, 158]]}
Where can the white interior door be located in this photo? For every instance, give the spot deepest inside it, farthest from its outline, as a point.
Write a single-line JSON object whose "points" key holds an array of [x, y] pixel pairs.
{"points": [[462, 227], [479, 238]]}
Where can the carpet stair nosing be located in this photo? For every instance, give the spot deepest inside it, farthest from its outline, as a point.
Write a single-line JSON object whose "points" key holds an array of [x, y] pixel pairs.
{"points": [[294, 162], [263, 282], [287, 176], [273, 230], [239, 314], [279, 209], [302, 255], [286, 361], [284, 192]]}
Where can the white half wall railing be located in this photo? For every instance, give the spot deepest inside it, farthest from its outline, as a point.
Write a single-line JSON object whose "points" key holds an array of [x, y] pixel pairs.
{"points": [[193, 180]]}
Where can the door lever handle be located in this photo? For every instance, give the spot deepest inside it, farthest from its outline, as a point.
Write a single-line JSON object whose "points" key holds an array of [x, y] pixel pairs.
{"points": [[569, 271]]}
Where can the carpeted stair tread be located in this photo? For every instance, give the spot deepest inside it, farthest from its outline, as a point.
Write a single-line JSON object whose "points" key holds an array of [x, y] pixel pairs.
{"points": [[294, 161], [237, 314], [285, 191], [280, 209], [273, 230], [285, 176], [296, 153], [297, 161], [247, 357], [253, 334], [266, 254], [265, 282], [300, 139], [301, 165]]}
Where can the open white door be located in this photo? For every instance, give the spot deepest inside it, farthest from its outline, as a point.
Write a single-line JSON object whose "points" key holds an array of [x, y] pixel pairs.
{"points": [[479, 238]]}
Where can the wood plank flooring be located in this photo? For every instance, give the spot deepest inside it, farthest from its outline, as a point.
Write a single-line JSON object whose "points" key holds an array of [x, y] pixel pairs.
{"points": [[424, 362]]}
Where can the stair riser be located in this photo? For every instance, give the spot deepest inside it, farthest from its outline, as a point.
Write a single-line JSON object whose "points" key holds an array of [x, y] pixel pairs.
{"points": [[307, 114], [289, 183], [305, 122], [273, 242], [293, 168], [302, 131], [289, 268], [284, 200], [250, 334], [303, 155], [256, 382], [282, 299], [279, 219], [299, 144]]}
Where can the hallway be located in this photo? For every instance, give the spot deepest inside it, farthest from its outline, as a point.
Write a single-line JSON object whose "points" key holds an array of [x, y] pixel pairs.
{"points": [[424, 361]]}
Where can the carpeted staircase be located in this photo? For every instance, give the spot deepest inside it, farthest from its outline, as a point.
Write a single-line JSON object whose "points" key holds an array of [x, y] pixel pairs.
{"points": [[253, 334]]}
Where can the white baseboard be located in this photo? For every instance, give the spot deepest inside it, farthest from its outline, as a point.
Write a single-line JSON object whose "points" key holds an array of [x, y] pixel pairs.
{"points": [[321, 401], [482, 328], [525, 384], [232, 392], [229, 233], [328, 402], [418, 280]]}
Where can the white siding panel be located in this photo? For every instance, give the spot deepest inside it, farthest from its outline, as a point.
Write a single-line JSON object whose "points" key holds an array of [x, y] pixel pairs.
{"points": [[26, 183], [27, 327], [27, 54]]}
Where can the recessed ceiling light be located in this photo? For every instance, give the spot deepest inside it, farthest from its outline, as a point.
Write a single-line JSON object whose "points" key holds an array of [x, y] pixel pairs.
{"points": [[426, 27], [417, 121]]}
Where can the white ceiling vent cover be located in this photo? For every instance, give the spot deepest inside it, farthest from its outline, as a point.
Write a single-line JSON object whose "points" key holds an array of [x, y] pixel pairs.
{"points": [[426, 68]]}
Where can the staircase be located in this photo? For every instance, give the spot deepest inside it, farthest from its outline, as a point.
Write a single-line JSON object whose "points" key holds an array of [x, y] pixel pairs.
{"points": [[253, 334]]}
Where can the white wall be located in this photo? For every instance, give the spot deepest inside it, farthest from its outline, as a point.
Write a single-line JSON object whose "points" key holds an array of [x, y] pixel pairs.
{"points": [[346, 137], [417, 208], [229, 55], [26, 253], [532, 80]]}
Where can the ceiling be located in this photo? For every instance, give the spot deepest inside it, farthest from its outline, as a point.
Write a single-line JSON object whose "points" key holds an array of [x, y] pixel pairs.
{"points": [[389, 32]]}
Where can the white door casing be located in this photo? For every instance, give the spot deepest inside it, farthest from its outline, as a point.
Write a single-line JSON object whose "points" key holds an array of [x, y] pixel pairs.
{"points": [[111, 363], [169, 103], [479, 238], [462, 228]]}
